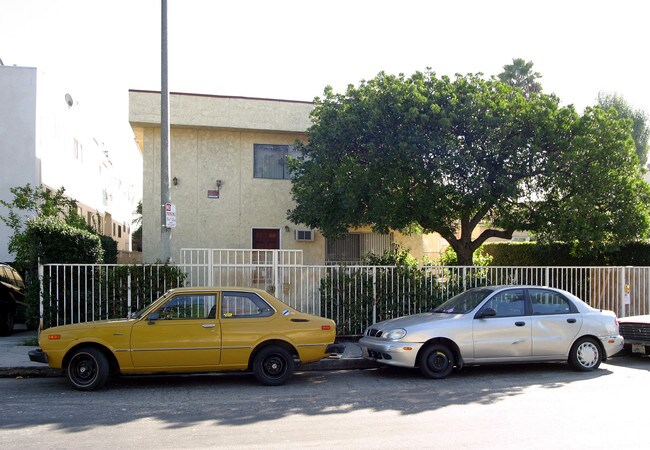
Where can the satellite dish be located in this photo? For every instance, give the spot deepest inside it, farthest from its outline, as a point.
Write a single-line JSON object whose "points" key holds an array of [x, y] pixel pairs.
{"points": [[68, 99]]}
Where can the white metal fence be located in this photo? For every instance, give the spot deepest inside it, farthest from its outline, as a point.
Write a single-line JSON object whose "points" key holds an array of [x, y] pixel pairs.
{"points": [[353, 296]]}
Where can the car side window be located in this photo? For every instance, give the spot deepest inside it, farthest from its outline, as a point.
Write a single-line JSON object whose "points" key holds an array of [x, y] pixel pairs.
{"points": [[508, 303], [244, 305], [546, 302], [189, 306]]}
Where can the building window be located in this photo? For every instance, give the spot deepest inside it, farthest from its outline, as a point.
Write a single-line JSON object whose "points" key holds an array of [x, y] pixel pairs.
{"points": [[354, 246], [270, 161]]}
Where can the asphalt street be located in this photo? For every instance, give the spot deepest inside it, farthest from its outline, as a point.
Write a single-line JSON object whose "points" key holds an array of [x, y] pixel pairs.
{"points": [[499, 407]]}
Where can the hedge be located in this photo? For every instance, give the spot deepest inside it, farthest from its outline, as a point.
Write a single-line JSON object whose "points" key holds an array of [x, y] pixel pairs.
{"points": [[565, 254]]}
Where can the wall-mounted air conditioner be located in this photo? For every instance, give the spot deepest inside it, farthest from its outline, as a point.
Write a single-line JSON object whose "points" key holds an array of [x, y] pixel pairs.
{"points": [[304, 235]]}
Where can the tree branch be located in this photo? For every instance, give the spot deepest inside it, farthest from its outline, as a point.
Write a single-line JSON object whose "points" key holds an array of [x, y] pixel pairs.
{"points": [[490, 233]]}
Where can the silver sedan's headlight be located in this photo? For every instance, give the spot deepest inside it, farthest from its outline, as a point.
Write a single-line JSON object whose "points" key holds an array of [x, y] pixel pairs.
{"points": [[393, 335]]}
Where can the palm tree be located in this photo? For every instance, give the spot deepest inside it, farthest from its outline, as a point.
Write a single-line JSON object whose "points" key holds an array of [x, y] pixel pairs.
{"points": [[520, 74]]}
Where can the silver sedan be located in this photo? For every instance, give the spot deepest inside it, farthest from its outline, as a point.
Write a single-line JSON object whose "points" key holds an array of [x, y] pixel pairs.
{"points": [[497, 324]]}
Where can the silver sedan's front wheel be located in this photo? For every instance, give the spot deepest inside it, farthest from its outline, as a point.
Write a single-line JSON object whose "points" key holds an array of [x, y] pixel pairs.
{"points": [[585, 355], [436, 361]]}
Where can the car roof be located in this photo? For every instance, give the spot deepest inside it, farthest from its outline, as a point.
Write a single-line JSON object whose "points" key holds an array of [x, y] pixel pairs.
{"points": [[516, 286], [215, 288]]}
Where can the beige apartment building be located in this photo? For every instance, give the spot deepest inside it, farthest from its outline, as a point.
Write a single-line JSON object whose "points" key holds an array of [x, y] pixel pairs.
{"points": [[230, 184]]}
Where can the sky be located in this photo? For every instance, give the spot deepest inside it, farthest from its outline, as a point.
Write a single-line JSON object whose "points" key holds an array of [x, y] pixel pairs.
{"points": [[292, 50]]}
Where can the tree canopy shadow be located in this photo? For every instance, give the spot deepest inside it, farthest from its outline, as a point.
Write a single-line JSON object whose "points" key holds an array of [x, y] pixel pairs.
{"points": [[235, 399]]}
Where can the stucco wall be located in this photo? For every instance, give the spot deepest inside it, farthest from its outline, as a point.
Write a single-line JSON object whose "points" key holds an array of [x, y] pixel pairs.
{"points": [[18, 135], [205, 149]]}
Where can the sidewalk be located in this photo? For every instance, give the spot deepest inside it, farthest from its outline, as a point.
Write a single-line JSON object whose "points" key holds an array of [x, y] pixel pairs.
{"points": [[14, 361]]}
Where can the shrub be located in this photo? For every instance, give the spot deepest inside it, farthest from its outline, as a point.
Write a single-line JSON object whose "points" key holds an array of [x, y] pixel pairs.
{"points": [[109, 245]]}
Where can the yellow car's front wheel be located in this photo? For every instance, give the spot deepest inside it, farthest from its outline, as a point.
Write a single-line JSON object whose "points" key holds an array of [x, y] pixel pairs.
{"points": [[87, 369]]}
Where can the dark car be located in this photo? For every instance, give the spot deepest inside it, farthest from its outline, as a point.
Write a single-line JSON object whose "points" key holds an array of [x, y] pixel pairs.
{"points": [[13, 308]]}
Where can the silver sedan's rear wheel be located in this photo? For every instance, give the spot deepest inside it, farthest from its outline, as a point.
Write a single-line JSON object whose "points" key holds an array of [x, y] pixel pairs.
{"points": [[585, 355], [88, 369], [436, 361]]}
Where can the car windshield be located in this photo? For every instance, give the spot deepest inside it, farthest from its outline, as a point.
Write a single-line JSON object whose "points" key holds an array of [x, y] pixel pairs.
{"points": [[138, 314], [464, 302]]}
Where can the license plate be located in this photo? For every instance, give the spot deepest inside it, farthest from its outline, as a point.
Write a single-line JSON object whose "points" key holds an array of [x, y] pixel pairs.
{"points": [[638, 348]]}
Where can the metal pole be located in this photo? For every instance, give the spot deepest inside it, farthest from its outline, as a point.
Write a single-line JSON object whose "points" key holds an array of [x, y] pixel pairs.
{"points": [[165, 152]]}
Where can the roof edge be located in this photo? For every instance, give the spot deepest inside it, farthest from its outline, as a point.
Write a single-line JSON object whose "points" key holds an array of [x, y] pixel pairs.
{"points": [[238, 97]]}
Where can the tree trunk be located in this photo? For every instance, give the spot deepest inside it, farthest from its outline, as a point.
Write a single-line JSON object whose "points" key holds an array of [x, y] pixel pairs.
{"points": [[464, 254]]}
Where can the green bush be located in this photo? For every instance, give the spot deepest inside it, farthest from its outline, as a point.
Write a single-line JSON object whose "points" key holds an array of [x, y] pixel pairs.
{"points": [[401, 285], [479, 258], [109, 245], [53, 241], [50, 240], [566, 254]]}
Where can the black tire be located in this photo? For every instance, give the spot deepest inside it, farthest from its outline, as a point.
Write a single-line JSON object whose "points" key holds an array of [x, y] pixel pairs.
{"points": [[585, 355], [6, 322], [88, 369], [436, 361], [273, 366]]}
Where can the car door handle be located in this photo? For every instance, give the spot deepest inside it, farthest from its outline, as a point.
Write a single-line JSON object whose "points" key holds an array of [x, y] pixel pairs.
{"points": [[520, 324], [300, 320], [208, 325], [571, 320]]}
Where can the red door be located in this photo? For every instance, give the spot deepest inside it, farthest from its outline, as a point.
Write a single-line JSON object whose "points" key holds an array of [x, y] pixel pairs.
{"points": [[266, 238]]}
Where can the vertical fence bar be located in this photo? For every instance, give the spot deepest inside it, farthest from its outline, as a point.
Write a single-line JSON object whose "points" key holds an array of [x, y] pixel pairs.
{"points": [[41, 271], [374, 294]]}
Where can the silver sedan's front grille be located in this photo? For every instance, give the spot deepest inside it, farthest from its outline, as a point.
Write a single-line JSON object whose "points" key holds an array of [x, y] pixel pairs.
{"points": [[373, 332], [635, 331]]}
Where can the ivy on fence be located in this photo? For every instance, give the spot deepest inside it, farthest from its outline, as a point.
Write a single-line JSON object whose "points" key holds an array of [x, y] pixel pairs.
{"points": [[357, 297], [79, 293]]}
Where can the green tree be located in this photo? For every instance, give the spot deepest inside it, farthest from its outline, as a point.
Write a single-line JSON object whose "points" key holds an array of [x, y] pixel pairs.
{"points": [[32, 201], [519, 74], [137, 234], [47, 227], [32, 206], [444, 155], [640, 129]]}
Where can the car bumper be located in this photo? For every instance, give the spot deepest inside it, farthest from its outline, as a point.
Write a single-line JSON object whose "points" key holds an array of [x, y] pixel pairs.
{"points": [[612, 344], [38, 356], [403, 354]]}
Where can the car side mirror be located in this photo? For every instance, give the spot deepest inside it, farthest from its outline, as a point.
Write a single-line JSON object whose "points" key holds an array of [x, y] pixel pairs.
{"points": [[487, 312], [153, 317]]}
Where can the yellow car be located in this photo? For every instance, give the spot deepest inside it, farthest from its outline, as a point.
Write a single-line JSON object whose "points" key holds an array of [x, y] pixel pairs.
{"points": [[191, 330]]}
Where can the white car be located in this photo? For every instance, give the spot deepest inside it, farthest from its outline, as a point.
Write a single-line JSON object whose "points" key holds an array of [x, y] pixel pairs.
{"points": [[497, 324], [636, 332]]}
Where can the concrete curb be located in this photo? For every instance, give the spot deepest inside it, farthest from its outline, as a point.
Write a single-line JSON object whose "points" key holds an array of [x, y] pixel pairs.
{"points": [[29, 372], [338, 364], [14, 359], [325, 364]]}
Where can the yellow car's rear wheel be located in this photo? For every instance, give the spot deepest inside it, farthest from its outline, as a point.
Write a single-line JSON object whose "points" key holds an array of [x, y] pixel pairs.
{"points": [[273, 366]]}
